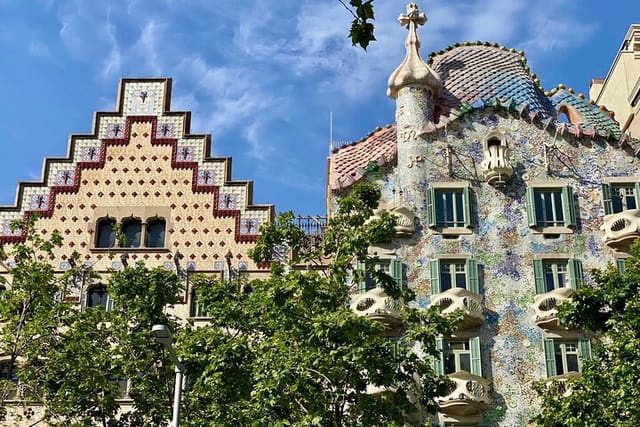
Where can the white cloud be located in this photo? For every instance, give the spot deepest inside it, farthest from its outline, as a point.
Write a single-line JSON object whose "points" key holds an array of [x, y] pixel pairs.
{"points": [[38, 49]]}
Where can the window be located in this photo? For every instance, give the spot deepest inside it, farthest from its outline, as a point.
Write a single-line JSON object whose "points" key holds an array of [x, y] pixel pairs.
{"points": [[449, 207], [458, 355], [3, 296], [154, 237], [565, 356], [620, 197], [197, 307], [391, 267], [131, 230], [556, 274], [620, 266], [454, 273], [98, 296], [106, 234], [551, 207]]}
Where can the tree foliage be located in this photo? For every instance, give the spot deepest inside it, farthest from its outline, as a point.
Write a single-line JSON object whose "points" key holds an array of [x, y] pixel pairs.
{"points": [[77, 363], [292, 352], [607, 391], [362, 29]]}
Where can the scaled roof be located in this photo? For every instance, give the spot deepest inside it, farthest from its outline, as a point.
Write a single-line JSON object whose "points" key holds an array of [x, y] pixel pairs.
{"points": [[475, 76]]}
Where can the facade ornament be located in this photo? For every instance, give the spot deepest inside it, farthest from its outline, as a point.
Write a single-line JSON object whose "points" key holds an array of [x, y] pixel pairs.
{"points": [[496, 169], [413, 70]]}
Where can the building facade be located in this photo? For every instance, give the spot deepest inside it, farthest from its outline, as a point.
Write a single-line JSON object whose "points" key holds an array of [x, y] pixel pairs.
{"points": [[619, 91], [507, 208], [140, 187]]}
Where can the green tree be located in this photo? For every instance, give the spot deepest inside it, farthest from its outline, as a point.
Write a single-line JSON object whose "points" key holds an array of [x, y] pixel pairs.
{"points": [[78, 363], [607, 392], [361, 32], [292, 352]]}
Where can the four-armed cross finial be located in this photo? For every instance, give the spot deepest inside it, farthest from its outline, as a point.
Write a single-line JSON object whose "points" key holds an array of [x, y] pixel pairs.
{"points": [[412, 15]]}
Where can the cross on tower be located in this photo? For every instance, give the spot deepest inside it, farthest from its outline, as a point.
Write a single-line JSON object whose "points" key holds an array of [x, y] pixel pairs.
{"points": [[413, 15]]}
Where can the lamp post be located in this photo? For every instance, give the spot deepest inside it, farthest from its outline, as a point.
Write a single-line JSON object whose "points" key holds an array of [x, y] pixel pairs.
{"points": [[162, 334]]}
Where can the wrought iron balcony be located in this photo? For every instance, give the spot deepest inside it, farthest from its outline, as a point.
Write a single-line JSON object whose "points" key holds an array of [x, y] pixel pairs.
{"points": [[621, 229], [468, 395], [312, 224], [545, 307], [496, 169], [460, 299], [376, 305]]}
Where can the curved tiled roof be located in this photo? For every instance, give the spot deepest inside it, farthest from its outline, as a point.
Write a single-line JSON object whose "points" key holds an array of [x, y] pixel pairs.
{"points": [[475, 76], [479, 72], [349, 163]]}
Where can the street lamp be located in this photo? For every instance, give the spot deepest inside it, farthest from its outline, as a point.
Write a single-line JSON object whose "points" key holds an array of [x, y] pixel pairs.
{"points": [[162, 334]]}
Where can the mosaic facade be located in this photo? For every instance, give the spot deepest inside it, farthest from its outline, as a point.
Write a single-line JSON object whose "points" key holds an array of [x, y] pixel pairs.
{"points": [[509, 215]]}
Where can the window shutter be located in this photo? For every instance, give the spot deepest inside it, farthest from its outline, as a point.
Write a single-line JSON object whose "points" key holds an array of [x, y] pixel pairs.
{"points": [[568, 207], [362, 283], [431, 207], [472, 276], [83, 298], [531, 207], [620, 265], [438, 361], [435, 276], [584, 348], [550, 357], [110, 303], [636, 193], [396, 272], [468, 204], [575, 273], [538, 274], [476, 363], [606, 198]]}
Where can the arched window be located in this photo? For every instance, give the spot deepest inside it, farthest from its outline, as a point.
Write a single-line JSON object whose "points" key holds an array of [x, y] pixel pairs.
{"points": [[106, 235], [155, 233], [131, 230], [98, 296]]}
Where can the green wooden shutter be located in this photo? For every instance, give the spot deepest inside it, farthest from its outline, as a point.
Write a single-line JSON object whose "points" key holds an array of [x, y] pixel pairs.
{"points": [[568, 206], [362, 283], [396, 272], [584, 348], [606, 198], [538, 274], [471, 268], [431, 207], [435, 276], [438, 361], [476, 363], [468, 206], [620, 265], [575, 273], [550, 357], [531, 207]]}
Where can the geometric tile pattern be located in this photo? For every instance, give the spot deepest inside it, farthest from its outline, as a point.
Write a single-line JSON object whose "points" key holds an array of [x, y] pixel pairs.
{"points": [[173, 152]]}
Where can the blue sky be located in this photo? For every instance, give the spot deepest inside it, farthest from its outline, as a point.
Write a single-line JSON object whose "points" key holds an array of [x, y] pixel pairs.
{"points": [[261, 76]]}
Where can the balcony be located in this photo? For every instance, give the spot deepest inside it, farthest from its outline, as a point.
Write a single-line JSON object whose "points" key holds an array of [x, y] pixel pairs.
{"points": [[621, 229], [405, 220], [468, 395], [377, 306], [559, 385], [461, 299], [545, 307], [496, 169]]}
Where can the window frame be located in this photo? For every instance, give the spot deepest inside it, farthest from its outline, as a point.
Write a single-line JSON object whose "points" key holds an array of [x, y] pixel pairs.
{"points": [[132, 222], [196, 308], [464, 221], [574, 273], [108, 306], [474, 355], [102, 222], [568, 209], [147, 235], [396, 271], [472, 282], [583, 347], [608, 194]]}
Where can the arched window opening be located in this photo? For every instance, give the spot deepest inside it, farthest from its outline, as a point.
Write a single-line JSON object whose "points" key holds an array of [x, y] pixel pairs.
{"points": [[568, 114], [98, 296], [131, 231], [155, 233], [106, 234]]}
